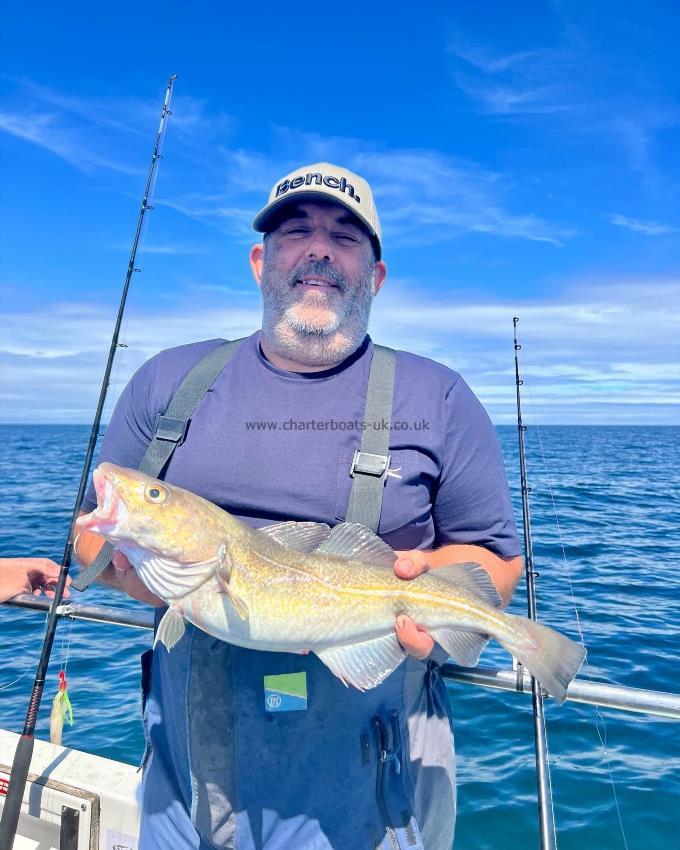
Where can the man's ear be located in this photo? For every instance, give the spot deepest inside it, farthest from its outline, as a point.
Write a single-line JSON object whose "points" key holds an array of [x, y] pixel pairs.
{"points": [[379, 275], [257, 261]]}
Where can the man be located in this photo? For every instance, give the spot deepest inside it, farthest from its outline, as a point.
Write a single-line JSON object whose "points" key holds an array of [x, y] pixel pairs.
{"points": [[274, 439]]}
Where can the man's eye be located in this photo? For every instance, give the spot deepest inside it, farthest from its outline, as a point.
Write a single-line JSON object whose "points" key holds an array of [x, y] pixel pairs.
{"points": [[349, 238], [297, 231]]}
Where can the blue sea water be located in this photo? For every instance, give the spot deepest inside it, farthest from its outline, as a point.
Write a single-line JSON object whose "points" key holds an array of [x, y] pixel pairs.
{"points": [[616, 498]]}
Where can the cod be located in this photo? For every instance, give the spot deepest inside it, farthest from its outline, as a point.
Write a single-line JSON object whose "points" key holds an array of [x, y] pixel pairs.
{"points": [[302, 586]]}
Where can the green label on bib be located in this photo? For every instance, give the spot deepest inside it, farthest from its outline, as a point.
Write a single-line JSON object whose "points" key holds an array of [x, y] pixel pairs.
{"points": [[285, 692]]}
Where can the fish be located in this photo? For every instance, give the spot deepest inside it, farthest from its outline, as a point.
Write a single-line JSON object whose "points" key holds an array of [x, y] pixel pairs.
{"points": [[305, 587]]}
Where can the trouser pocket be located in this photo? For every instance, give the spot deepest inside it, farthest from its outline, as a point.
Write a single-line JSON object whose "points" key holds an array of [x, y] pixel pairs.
{"points": [[396, 809], [146, 661]]}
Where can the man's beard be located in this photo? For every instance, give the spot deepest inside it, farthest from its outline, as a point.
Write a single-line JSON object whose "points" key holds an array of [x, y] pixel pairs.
{"points": [[315, 329]]}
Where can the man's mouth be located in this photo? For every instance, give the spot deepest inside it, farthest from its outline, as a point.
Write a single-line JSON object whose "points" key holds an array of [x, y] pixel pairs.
{"points": [[318, 284]]}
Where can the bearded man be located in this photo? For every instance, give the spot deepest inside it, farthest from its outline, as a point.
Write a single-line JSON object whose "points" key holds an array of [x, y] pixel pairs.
{"points": [[279, 436]]}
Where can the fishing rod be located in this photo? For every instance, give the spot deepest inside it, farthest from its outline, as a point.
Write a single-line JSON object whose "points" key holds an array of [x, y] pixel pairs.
{"points": [[24, 750], [546, 819]]}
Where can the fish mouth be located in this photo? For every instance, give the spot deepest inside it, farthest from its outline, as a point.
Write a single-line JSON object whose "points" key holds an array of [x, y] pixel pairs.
{"points": [[110, 512]]}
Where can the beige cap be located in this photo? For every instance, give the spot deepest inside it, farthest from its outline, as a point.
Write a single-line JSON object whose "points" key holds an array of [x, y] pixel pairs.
{"points": [[328, 181]]}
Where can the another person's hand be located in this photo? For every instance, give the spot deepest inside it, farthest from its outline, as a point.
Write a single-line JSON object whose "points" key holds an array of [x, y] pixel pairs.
{"points": [[29, 575], [416, 641], [131, 583]]}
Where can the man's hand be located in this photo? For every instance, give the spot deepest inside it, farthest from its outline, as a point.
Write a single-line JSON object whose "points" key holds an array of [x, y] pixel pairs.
{"points": [[130, 582], [416, 641], [504, 573], [29, 575]]}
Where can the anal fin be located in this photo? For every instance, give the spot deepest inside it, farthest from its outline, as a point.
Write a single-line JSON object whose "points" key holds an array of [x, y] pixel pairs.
{"points": [[464, 648], [364, 665]]}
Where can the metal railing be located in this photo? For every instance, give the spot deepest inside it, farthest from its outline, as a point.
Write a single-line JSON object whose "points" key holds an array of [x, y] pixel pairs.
{"points": [[603, 694]]}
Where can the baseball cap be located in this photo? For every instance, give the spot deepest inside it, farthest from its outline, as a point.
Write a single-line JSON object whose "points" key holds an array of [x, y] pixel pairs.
{"points": [[323, 181]]}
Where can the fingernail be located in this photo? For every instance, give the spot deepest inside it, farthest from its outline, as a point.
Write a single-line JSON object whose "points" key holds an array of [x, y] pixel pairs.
{"points": [[401, 622], [406, 565]]}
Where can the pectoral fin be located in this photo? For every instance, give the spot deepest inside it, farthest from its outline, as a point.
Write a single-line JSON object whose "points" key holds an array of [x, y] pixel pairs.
{"points": [[170, 629], [364, 665], [236, 601]]}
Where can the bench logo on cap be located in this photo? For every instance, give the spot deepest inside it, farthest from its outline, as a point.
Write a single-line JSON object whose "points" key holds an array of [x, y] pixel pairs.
{"points": [[318, 179], [323, 180]]}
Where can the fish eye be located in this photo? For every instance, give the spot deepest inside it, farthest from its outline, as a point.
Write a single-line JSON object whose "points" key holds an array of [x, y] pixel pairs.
{"points": [[155, 494]]}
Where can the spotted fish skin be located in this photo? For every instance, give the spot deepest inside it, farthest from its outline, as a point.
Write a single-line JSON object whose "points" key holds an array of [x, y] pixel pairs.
{"points": [[297, 587]]}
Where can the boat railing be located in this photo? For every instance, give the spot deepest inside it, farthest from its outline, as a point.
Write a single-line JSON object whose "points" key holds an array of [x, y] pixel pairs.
{"points": [[587, 691]]}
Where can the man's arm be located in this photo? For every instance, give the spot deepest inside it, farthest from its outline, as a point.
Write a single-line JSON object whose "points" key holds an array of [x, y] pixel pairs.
{"points": [[504, 572], [119, 574]]}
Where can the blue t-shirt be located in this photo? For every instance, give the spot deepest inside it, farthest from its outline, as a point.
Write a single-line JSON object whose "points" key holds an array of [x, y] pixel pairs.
{"points": [[269, 445]]}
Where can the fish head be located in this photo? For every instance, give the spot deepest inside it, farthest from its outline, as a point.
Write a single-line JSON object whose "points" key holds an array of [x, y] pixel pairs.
{"points": [[171, 536]]}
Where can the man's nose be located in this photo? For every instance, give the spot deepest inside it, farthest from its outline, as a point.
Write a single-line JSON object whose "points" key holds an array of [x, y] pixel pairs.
{"points": [[320, 246]]}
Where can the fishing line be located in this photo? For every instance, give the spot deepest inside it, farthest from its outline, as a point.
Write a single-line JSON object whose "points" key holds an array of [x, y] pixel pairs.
{"points": [[586, 665], [30, 665]]}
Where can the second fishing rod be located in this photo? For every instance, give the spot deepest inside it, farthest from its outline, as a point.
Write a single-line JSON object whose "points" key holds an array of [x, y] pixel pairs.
{"points": [[546, 820], [24, 750]]}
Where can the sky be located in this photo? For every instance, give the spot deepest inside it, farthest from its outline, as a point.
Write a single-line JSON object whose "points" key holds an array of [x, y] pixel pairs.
{"points": [[524, 160]]}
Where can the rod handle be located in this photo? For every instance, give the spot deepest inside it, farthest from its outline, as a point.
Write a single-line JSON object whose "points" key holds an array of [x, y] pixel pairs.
{"points": [[15, 791]]}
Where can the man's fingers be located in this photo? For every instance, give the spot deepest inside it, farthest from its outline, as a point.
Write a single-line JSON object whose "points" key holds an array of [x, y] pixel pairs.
{"points": [[410, 564], [415, 641], [120, 562]]}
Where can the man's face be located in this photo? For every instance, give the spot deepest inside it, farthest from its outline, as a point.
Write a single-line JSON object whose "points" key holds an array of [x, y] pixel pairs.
{"points": [[317, 276]]}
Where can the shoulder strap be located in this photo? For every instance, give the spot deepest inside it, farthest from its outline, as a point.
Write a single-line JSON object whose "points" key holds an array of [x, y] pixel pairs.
{"points": [[171, 428], [371, 462]]}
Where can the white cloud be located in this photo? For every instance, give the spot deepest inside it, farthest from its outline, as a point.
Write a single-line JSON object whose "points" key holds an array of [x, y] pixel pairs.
{"points": [[597, 353], [649, 228]]}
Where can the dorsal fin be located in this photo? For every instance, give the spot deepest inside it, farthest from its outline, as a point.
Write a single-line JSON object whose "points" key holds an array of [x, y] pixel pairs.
{"points": [[469, 577], [355, 541], [301, 536]]}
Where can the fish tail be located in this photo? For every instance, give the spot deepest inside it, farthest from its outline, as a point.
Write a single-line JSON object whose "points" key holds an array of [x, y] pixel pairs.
{"points": [[549, 656]]}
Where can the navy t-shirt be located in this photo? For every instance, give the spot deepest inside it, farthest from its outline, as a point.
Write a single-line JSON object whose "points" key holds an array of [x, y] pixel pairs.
{"points": [[268, 445]]}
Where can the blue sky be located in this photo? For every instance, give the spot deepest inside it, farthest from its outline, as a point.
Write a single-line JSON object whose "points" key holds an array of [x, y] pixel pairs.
{"points": [[524, 159]]}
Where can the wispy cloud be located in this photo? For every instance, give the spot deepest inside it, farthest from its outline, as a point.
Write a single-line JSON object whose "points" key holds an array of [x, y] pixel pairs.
{"points": [[424, 196], [174, 249], [576, 87], [527, 82], [43, 130], [649, 228], [91, 132]]}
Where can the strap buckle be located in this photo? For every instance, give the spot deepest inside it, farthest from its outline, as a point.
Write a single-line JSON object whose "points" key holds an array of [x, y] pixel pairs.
{"points": [[366, 463], [172, 430]]}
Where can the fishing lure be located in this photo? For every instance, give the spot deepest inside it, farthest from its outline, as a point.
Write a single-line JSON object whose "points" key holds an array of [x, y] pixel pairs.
{"points": [[62, 710]]}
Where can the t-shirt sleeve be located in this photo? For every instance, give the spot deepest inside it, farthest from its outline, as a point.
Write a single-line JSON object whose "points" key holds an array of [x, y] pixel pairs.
{"points": [[132, 424], [472, 504]]}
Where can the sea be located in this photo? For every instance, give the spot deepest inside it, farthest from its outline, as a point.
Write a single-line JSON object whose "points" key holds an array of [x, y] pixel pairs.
{"points": [[605, 518]]}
